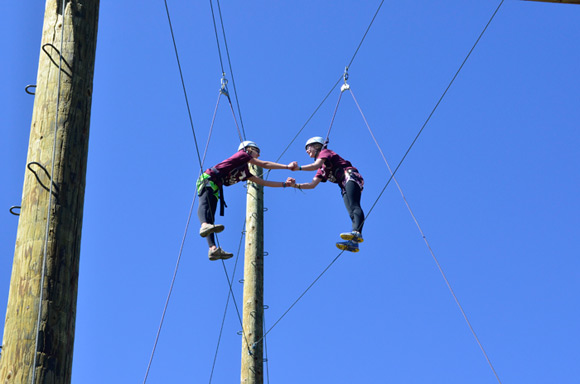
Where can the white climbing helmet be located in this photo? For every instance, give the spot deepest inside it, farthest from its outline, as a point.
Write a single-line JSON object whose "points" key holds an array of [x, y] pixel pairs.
{"points": [[314, 140], [245, 144]]}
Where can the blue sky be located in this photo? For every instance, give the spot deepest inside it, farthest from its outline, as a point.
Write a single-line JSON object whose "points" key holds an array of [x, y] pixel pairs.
{"points": [[493, 181]]}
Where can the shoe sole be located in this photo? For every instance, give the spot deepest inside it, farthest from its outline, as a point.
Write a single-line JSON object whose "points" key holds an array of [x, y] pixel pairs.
{"points": [[350, 236], [220, 257], [343, 247], [215, 229], [214, 258]]}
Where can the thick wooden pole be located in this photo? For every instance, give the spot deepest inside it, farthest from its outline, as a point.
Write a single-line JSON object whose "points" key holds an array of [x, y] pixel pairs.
{"points": [[253, 313], [39, 349]]}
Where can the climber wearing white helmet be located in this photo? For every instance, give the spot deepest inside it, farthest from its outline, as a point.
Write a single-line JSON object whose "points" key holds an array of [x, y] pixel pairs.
{"points": [[230, 171], [331, 167]]}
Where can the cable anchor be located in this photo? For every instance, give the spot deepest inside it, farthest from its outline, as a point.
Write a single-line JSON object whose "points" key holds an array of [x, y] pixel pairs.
{"points": [[345, 86]]}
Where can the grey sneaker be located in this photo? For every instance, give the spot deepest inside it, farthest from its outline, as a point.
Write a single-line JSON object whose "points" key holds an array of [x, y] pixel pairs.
{"points": [[218, 253], [350, 246], [355, 236], [206, 229]]}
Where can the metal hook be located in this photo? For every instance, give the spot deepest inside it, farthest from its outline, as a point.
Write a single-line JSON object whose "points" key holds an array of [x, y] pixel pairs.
{"points": [[26, 89], [266, 253], [266, 307], [241, 281], [13, 208]]}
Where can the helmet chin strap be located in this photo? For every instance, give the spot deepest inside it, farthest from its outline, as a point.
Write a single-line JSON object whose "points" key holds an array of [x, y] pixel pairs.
{"points": [[317, 152]]}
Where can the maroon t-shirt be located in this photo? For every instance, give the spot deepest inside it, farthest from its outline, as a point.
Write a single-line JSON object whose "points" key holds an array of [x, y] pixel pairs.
{"points": [[333, 168], [232, 170]]}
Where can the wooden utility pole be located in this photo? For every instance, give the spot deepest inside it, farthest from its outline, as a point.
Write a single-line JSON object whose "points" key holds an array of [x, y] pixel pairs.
{"points": [[38, 348], [253, 312]]}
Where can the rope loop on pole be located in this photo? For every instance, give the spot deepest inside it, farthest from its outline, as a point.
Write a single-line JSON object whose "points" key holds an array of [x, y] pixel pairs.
{"points": [[62, 60], [27, 89], [56, 189], [15, 214]]}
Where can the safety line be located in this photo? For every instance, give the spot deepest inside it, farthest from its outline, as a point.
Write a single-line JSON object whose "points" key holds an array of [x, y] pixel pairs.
{"points": [[170, 289], [332, 120], [235, 120], [211, 127], [300, 297], [216, 37], [49, 208], [435, 108], [181, 248], [186, 229], [193, 200], [425, 238], [183, 84], [308, 120], [230, 66], [365, 34], [398, 165], [207, 147], [334, 86]]}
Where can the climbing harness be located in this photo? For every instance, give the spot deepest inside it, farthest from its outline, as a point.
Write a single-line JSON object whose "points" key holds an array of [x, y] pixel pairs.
{"points": [[204, 181]]}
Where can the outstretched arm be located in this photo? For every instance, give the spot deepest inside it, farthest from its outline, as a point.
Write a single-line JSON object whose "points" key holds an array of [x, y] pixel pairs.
{"points": [[272, 165], [310, 167], [310, 185], [275, 184]]}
